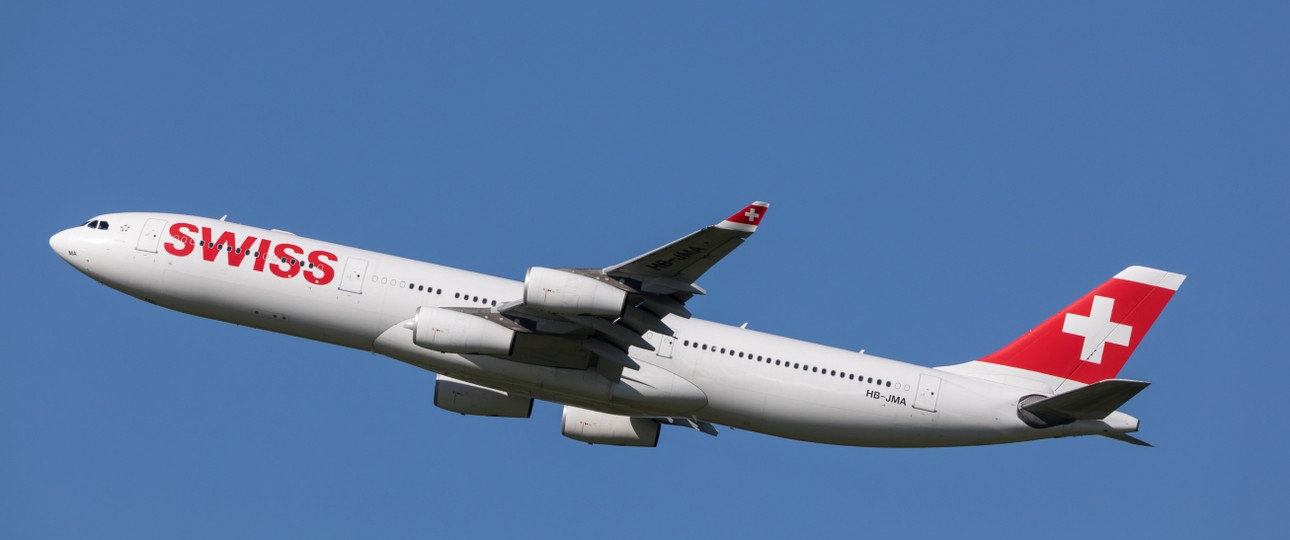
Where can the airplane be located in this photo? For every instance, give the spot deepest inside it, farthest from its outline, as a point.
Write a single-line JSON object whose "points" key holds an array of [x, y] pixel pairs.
{"points": [[617, 346]]}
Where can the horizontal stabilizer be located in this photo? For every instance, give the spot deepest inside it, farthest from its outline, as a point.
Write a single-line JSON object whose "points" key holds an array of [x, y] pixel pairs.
{"points": [[1093, 402], [1128, 438]]}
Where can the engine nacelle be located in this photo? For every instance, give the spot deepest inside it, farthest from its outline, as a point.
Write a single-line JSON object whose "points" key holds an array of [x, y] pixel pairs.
{"points": [[465, 398], [449, 331], [558, 291], [600, 428]]}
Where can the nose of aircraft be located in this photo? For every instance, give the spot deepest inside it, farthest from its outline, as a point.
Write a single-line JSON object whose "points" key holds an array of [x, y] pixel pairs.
{"points": [[61, 244]]}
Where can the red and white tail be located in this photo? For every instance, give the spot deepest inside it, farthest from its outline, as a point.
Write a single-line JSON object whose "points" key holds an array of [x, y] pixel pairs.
{"points": [[746, 220], [1090, 340]]}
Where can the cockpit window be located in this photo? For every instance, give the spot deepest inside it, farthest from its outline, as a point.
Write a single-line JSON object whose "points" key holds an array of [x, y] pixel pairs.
{"points": [[93, 224], [103, 225]]}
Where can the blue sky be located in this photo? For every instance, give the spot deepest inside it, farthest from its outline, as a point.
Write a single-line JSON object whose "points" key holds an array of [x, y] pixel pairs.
{"points": [[942, 177]]}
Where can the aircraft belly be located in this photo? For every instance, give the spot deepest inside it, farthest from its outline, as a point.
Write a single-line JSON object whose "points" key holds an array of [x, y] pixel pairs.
{"points": [[736, 398]]}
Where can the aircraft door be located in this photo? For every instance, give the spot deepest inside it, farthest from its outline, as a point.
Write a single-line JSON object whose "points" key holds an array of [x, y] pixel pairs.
{"points": [[928, 388], [150, 236], [351, 279], [665, 344]]}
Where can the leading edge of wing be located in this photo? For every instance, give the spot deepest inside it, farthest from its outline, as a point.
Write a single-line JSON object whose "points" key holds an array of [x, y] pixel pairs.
{"points": [[679, 264]]}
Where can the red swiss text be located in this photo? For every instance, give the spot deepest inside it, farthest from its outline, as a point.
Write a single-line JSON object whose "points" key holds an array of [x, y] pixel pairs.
{"points": [[284, 260]]}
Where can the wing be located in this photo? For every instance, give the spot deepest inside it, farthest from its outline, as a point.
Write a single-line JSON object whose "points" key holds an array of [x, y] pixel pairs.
{"points": [[676, 267], [602, 313]]}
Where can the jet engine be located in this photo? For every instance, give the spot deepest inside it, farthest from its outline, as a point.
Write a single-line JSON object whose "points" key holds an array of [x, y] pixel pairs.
{"points": [[599, 428], [465, 398], [449, 331], [559, 291]]}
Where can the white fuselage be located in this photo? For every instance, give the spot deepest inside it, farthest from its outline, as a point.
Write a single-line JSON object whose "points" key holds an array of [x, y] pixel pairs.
{"points": [[752, 380]]}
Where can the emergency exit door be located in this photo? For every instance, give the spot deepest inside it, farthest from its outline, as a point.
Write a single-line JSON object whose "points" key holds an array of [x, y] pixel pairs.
{"points": [[351, 279]]}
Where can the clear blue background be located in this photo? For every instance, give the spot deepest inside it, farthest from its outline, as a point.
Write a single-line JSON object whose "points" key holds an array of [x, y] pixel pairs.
{"points": [[942, 176]]}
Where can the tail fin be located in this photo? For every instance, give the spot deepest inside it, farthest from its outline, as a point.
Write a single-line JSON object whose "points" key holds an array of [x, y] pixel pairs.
{"points": [[1090, 340]]}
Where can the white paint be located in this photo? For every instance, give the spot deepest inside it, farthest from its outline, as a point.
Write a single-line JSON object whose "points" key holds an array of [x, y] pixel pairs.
{"points": [[1096, 329], [1153, 277]]}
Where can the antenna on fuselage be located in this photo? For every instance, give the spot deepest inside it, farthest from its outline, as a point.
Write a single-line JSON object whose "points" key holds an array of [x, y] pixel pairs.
{"points": [[224, 217]]}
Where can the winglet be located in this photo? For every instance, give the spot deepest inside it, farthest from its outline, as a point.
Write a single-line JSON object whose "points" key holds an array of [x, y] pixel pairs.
{"points": [[746, 220]]}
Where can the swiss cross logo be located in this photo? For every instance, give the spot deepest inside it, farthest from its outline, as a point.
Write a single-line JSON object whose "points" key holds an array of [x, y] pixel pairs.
{"points": [[1096, 329], [749, 215], [1092, 338]]}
